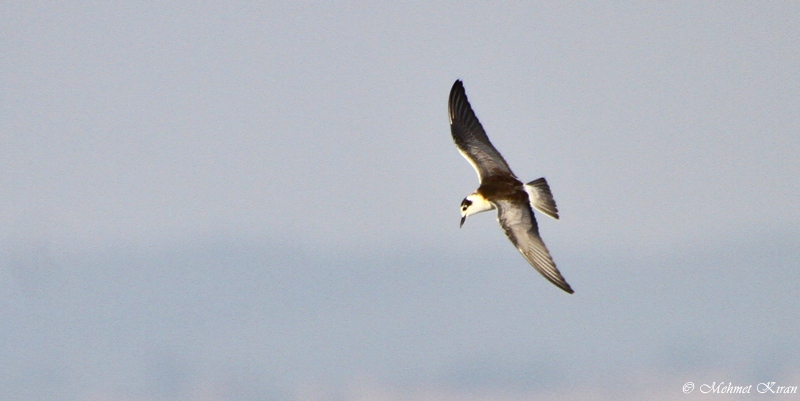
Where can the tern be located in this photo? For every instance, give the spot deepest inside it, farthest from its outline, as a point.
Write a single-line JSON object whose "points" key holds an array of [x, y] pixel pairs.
{"points": [[500, 189]]}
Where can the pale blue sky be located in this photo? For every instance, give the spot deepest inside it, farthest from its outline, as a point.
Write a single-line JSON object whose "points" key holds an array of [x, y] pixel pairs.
{"points": [[247, 202]]}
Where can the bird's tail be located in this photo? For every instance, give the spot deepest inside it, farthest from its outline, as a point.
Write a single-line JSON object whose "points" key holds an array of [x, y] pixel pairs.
{"points": [[541, 198]]}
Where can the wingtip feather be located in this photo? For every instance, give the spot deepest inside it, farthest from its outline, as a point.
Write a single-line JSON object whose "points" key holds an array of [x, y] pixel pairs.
{"points": [[457, 93]]}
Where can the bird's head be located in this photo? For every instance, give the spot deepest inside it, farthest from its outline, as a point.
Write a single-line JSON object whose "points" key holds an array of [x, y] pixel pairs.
{"points": [[474, 203]]}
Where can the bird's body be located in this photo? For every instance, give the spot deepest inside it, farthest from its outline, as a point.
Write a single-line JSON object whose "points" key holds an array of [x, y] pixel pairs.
{"points": [[500, 189]]}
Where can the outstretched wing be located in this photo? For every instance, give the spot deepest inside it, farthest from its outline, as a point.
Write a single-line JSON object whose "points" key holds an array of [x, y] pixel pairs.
{"points": [[471, 139], [520, 226]]}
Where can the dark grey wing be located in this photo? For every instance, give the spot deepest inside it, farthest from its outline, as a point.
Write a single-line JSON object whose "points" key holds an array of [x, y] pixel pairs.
{"points": [[471, 139], [520, 226]]}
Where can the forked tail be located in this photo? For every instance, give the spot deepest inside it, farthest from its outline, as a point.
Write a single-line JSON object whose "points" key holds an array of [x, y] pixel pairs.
{"points": [[541, 198]]}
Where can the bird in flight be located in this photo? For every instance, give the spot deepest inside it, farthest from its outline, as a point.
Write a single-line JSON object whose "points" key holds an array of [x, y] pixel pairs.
{"points": [[500, 189]]}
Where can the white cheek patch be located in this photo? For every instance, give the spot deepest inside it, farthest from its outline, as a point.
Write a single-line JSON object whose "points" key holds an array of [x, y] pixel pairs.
{"points": [[479, 204]]}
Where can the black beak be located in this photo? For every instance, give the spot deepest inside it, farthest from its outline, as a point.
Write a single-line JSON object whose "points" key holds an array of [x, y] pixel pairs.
{"points": [[463, 219]]}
